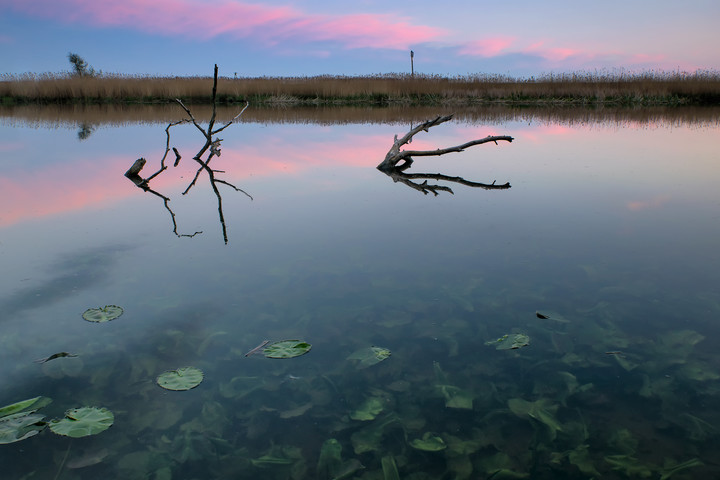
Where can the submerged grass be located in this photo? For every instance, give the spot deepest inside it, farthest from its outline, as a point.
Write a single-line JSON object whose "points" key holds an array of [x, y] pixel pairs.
{"points": [[619, 88]]}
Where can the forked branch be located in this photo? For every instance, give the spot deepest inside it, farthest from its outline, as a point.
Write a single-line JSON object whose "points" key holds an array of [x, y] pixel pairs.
{"points": [[398, 161], [395, 155]]}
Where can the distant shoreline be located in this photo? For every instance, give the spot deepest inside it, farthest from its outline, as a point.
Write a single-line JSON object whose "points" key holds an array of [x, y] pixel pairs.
{"points": [[645, 89]]}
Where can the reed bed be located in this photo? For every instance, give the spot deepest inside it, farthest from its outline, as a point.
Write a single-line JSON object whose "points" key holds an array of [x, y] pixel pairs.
{"points": [[650, 87]]}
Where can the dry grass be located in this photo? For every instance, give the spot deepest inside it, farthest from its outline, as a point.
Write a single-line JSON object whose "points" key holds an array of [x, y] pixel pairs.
{"points": [[701, 87]]}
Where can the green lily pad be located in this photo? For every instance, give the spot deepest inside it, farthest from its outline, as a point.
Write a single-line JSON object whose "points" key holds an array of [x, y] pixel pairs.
{"points": [[286, 349], [429, 443], [369, 356], [184, 378], [19, 426], [30, 405], [84, 421], [104, 314], [511, 341]]}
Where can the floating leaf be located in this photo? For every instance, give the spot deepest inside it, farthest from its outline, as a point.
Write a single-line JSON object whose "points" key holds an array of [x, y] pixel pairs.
{"points": [[181, 379], [54, 356], [510, 341], [286, 349], [369, 356], [104, 314], [20, 426], [84, 421], [429, 443], [30, 405]]}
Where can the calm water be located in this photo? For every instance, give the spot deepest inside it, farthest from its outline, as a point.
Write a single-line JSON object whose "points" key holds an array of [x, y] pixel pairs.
{"points": [[610, 229]]}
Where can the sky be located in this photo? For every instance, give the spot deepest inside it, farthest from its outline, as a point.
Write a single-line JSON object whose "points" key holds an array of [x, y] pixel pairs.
{"points": [[519, 38]]}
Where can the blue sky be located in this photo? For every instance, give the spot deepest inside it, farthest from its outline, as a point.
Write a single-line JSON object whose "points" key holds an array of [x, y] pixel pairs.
{"points": [[314, 37]]}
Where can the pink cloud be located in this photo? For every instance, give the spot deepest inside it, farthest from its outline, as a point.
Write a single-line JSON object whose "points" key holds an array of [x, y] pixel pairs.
{"points": [[488, 47], [554, 54], [235, 19]]}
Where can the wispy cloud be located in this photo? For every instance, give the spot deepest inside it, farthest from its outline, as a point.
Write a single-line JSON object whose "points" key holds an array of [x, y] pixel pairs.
{"points": [[235, 19], [488, 47]]}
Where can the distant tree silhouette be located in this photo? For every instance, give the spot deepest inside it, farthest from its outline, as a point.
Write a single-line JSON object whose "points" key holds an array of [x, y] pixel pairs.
{"points": [[80, 66]]}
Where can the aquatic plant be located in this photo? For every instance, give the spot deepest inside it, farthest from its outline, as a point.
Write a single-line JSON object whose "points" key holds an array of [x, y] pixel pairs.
{"points": [[286, 349], [19, 421], [184, 378], [82, 422], [510, 341], [102, 314], [369, 356]]}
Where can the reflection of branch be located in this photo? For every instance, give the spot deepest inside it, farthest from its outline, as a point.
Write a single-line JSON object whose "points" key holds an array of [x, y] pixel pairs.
{"points": [[212, 145], [397, 161], [398, 176], [133, 174]]}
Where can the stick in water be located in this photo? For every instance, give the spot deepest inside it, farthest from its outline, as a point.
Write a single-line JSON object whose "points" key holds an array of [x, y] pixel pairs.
{"points": [[256, 349]]}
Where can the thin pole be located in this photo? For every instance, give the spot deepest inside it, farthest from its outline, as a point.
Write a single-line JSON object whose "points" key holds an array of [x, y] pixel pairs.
{"points": [[412, 67]]}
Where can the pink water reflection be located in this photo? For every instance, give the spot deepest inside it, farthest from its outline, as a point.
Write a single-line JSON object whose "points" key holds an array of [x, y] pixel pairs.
{"points": [[633, 163]]}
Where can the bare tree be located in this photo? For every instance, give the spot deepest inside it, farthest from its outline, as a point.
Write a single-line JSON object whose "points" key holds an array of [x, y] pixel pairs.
{"points": [[397, 161]]}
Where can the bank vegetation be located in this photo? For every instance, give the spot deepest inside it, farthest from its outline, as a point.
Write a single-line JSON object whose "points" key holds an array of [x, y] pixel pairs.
{"points": [[585, 88]]}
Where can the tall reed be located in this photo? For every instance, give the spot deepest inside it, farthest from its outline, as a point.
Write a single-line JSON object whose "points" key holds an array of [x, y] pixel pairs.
{"points": [[620, 86]]}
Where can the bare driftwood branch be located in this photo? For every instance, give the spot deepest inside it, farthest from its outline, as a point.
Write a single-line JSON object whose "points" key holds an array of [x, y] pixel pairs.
{"points": [[397, 161], [395, 155]]}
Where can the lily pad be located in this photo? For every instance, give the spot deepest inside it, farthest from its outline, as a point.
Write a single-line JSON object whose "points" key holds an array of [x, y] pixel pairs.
{"points": [[84, 421], [20, 426], [369, 356], [511, 341], [30, 405], [286, 349], [104, 314], [429, 443], [184, 378]]}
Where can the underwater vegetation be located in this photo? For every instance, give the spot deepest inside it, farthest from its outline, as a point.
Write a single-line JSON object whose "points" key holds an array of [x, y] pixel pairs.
{"points": [[500, 407]]}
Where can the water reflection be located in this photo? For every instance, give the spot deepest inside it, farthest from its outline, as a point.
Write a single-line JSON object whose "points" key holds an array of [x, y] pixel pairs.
{"points": [[96, 116], [211, 147], [600, 234]]}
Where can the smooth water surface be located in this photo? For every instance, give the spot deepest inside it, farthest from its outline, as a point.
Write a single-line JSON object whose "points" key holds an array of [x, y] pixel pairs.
{"points": [[609, 229]]}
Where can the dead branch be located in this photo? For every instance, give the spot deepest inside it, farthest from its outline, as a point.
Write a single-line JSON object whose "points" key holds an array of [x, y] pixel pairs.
{"points": [[398, 161], [395, 155]]}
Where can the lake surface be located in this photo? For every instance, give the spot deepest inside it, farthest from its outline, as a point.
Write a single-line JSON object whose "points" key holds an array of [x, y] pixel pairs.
{"points": [[601, 263]]}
